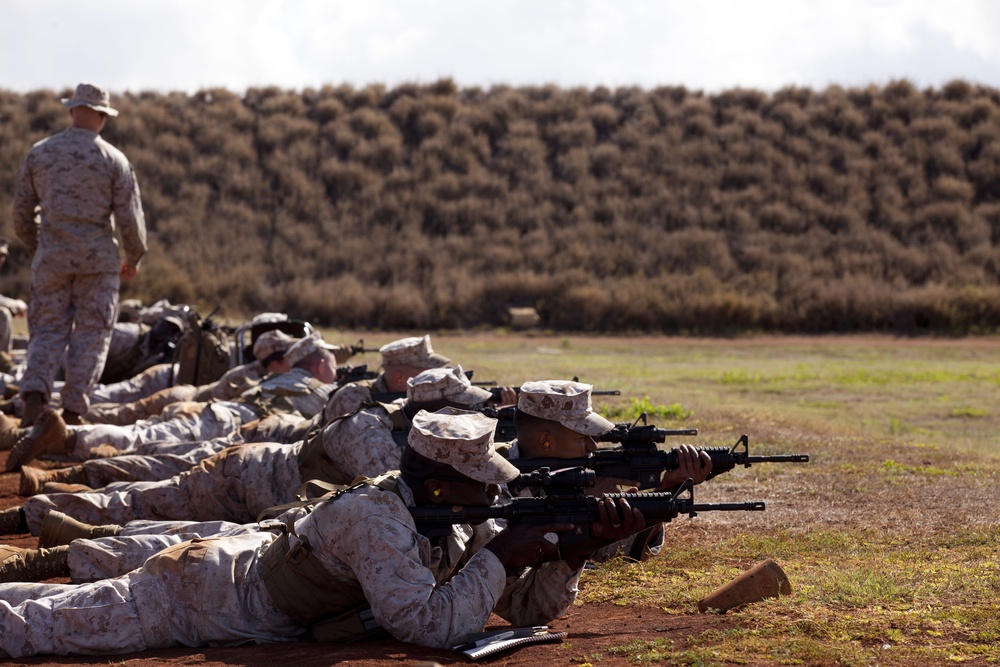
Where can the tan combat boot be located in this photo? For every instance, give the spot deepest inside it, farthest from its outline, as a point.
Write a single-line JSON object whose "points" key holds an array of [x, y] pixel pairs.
{"points": [[33, 480], [12, 521], [9, 433], [34, 403], [47, 436], [57, 529], [32, 564]]}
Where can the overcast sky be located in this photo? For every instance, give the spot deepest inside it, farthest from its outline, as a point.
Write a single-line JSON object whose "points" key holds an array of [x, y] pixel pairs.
{"points": [[187, 45]]}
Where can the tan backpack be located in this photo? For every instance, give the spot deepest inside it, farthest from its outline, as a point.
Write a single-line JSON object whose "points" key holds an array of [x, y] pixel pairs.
{"points": [[203, 353]]}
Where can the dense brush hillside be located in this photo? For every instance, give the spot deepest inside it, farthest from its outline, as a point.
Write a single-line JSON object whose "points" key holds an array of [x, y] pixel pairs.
{"points": [[664, 210]]}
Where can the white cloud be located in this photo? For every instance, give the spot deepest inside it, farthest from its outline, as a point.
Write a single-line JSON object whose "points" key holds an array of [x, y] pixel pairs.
{"points": [[709, 45]]}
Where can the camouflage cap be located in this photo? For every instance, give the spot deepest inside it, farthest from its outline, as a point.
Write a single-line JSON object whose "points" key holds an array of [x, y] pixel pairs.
{"points": [[95, 97], [269, 318], [270, 342], [565, 402], [462, 440], [305, 346], [444, 384], [415, 351]]}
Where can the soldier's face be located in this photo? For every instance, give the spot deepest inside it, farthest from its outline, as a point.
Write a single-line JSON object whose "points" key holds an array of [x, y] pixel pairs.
{"points": [[559, 442], [326, 370], [396, 376]]}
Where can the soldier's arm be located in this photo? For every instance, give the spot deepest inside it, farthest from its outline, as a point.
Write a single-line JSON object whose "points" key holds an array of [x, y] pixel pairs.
{"points": [[25, 202]]}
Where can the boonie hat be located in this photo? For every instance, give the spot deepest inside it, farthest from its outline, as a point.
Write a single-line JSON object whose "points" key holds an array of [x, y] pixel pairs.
{"points": [[270, 342], [565, 402], [89, 95], [304, 347], [415, 351], [448, 383], [462, 440]]}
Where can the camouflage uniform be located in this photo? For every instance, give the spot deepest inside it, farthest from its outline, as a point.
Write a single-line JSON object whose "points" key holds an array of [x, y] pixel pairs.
{"points": [[123, 414], [241, 481], [233, 384], [8, 309], [107, 557], [192, 594], [79, 181], [295, 391], [362, 444], [146, 383], [414, 352], [237, 381], [351, 397], [155, 461], [217, 595], [234, 485]]}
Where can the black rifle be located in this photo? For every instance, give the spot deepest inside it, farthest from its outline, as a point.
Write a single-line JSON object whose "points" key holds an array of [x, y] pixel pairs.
{"points": [[360, 348], [506, 430], [554, 481], [347, 374], [634, 434], [627, 434], [576, 508], [644, 463]]}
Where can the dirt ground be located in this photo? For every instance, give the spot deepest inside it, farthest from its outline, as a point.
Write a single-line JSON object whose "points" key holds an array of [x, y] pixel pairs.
{"points": [[592, 629]]}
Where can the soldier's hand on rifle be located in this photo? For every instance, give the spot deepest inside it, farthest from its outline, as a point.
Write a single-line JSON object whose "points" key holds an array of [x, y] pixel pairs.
{"points": [[524, 545], [617, 520], [508, 396], [692, 464]]}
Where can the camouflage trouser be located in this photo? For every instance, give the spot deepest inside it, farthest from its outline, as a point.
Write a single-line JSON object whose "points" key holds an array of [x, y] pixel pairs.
{"points": [[122, 414], [69, 316], [146, 383], [157, 461], [107, 557], [234, 485], [182, 422], [191, 594], [154, 461]]}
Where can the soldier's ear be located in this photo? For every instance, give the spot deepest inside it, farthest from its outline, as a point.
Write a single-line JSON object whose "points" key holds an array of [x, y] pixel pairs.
{"points": [[545, 439], [433, 490]]}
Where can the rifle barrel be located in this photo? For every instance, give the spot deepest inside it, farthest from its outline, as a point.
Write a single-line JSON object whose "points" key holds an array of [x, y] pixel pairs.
{"points": [[779, 458], [749, 506]]}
